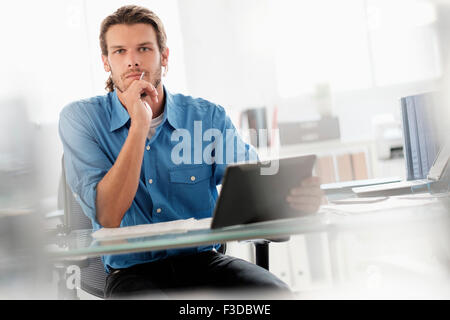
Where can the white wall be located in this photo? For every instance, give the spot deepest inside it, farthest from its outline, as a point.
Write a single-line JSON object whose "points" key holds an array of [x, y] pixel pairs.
{"points": [[228, 52]]}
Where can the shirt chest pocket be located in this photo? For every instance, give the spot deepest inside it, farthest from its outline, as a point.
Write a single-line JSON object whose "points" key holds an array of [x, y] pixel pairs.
{"points": [[190, 189]]}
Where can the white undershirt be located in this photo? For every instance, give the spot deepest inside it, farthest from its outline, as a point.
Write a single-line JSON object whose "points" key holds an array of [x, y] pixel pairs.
{"points": [[154, 124]]}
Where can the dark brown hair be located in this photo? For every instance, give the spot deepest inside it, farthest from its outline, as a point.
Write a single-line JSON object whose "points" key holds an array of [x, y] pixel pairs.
{"points": [[131, 14]]}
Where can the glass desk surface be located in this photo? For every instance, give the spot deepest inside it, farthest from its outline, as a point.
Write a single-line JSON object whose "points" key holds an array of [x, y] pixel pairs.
{"points": [[81, 244]]}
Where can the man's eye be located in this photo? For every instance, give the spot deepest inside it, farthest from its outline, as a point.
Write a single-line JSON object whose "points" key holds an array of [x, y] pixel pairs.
{"points": [[144, 49], [119, 51]]}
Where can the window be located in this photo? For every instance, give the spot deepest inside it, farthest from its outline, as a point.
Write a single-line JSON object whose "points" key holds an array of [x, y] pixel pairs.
{"points": [[403, 41], [353, 44]]}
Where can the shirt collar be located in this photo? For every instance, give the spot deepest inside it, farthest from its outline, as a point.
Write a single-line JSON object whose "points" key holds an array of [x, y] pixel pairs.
{"points": [[173, 110], [120, 116]]}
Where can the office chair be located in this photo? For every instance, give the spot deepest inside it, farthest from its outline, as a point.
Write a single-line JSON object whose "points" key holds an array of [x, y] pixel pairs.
{"points": [[93, 274]]}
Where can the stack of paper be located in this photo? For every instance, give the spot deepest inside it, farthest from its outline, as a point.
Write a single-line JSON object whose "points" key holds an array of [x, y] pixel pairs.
{"points": [[142, 230]]}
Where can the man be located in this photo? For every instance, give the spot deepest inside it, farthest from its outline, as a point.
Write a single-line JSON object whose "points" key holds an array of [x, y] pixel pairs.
{"points": [[121, 165]]}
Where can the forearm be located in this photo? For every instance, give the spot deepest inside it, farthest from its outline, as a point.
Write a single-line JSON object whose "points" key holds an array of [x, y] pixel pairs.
{"points": [[117, 189]]}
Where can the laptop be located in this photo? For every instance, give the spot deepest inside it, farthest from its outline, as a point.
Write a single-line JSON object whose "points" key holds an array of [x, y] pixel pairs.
{"points": [[425, 165], [248, 196], [435, 175]]}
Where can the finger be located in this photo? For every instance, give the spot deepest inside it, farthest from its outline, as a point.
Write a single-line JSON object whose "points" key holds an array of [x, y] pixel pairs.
{"points": [[137, 89], [305, 208], [304, 200], [303, 196], [311, 181], [151, 91], [150, 100], [142, 86], [306, 192], [146, 104], [147, 87], [312, 191], [138, 84]]}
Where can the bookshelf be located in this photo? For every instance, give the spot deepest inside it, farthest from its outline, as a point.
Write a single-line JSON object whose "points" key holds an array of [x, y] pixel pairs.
{"points": [[337, 161]]}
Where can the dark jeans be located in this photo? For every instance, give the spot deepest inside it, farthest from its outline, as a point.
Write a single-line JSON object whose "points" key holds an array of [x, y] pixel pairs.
{"points": [[205, 270]]}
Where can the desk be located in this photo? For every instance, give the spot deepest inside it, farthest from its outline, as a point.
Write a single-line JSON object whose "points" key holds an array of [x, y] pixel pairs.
{"points": [[413, 231], [387, 227], [80, 243]]}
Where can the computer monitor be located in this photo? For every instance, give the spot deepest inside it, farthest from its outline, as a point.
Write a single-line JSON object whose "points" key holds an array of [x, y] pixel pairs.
{"points": [[421, 140]]}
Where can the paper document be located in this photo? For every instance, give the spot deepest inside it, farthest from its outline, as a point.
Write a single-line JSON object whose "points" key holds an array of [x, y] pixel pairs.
{"points": [[383, 205], [358, 200], [142, 230]]}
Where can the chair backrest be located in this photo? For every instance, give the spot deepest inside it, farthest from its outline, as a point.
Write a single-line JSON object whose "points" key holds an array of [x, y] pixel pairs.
{"points": [[93, 276]]}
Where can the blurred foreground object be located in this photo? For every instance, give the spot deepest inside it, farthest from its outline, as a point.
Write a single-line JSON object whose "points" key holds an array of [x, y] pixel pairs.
{"points": [[21, 255]]}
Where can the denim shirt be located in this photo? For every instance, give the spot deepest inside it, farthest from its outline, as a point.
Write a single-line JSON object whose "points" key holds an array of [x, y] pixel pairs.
{"points": [[183, 162]]}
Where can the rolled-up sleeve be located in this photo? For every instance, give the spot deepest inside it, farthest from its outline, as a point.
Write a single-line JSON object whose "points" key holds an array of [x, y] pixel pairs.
{"points": [[85, 162]]}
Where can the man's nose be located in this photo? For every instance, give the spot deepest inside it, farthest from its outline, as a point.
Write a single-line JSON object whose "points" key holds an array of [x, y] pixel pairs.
{"points": [[133, 61]]}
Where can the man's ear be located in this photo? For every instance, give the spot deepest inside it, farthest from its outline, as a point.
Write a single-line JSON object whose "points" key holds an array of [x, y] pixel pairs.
{"points": [[106, 63], [165, 57]]}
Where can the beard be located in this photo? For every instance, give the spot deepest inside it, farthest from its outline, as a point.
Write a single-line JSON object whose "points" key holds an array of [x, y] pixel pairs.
{"points": [[154, 78]]}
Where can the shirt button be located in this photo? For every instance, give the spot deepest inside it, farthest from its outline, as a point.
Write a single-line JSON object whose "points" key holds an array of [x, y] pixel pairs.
{"points": [[150, 181], [192, 178], [148, 148], [158, 210]]}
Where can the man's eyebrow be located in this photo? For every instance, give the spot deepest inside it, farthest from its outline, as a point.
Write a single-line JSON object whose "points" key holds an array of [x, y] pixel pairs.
{"points": [[139, 45], [146, 44]]}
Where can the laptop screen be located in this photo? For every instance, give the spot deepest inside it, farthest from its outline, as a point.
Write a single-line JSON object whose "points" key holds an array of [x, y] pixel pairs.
{"points": [[421, 143]]}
